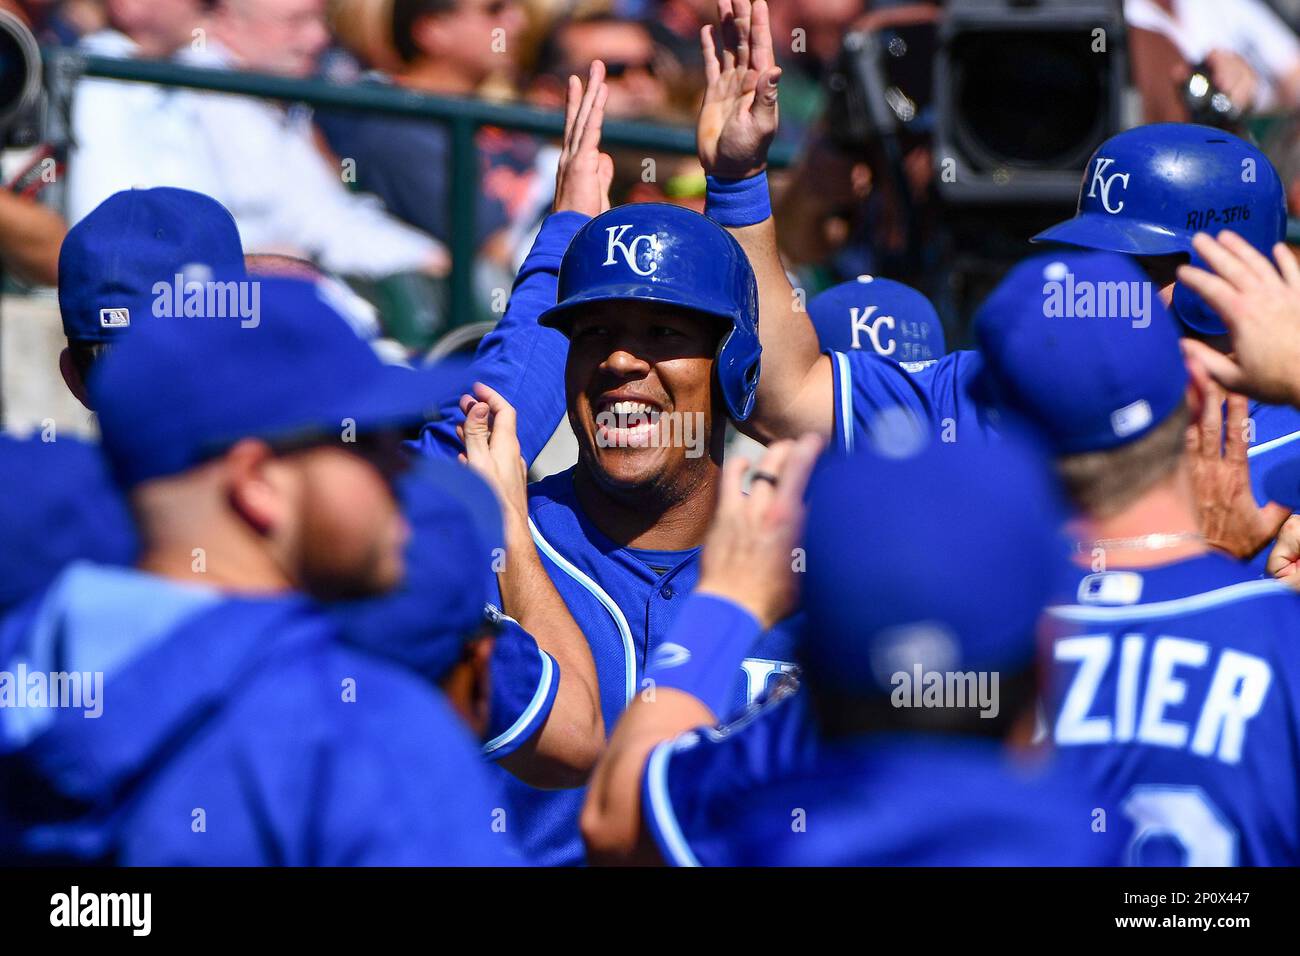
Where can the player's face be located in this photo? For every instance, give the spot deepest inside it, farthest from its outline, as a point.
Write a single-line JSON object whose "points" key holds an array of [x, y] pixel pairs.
{"points": [[639, 381], [352, 533]]}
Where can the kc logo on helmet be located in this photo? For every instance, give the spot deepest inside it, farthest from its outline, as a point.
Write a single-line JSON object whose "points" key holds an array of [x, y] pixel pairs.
{"points": [[860, 319], [630, 249], [1099, 178]]}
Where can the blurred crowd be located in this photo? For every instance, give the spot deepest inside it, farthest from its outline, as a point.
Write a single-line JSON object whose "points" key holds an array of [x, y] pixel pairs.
{"points": [[365, 195]]}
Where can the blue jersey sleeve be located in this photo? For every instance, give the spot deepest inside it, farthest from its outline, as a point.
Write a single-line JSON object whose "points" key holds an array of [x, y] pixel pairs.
{"points": [[523, 683], [519, 358], [692, 781], [871, 391]]}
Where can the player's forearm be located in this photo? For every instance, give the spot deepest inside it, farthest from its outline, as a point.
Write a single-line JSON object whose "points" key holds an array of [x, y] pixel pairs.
{"points": [[30, 237], [519, 358], [790, 347], [573, 737], [686, 691], [612, 825]]}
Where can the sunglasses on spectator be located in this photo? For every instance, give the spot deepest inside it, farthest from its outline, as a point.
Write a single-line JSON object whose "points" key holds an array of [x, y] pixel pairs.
{"points": [[617, 68]]}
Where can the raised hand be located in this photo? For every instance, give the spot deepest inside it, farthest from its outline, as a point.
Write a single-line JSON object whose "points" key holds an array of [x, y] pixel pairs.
{"points": [[492, 449], [584, 174], [1260, 305], [748, 554], [739, 116], [1228, 515]]}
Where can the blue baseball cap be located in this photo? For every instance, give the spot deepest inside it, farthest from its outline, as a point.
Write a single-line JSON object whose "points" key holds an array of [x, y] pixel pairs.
{"points": [[59, 506], [952, 576], [455, 537], [119, 262], [880, 315], [1080, 346], [181, 390]]}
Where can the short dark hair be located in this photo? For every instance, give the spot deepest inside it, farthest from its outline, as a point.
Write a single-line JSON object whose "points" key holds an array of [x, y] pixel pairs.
{"points": [[406, 13]]}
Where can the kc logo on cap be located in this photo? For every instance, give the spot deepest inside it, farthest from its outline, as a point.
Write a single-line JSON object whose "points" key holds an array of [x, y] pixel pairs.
{"points": [[114, 318]]}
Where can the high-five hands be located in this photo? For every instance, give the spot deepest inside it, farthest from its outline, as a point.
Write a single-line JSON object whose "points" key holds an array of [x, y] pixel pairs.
{"points": [[739, 116], [584, 174], [1260, 305]]}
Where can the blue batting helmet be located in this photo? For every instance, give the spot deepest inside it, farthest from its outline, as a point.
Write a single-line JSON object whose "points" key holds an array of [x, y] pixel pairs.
{"points": [[1148, 190], [655, 252]]}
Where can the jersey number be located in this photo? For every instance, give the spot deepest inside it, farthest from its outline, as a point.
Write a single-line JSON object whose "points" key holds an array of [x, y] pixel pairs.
{"points": [[1184, 815]]}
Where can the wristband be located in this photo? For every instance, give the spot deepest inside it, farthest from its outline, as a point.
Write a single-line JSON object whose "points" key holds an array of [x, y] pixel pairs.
{"points": [[703, 651], [738, 202]]}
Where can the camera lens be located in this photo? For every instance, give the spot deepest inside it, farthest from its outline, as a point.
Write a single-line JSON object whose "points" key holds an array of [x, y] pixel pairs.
{"points": [[20, 67], [1028, 100]]}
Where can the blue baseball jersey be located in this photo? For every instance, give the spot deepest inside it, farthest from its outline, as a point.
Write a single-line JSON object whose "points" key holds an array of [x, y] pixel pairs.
{"points": [[691, 780], [228, 731], [1277, 428], [893, 800], [625, 606], [1175, 699], [871, 393]]}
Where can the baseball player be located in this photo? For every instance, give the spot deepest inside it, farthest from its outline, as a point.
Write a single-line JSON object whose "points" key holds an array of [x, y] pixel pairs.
{"points": [[112, 262], [234, 704], [1146, 192], [890, 778], [658, 313], [1174, 669], [885, 316], [120, 263]]}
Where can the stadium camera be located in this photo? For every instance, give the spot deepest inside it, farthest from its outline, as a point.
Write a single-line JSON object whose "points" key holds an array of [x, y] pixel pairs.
{"points": [[1206, 103], [20, 84], [1025, 90]]}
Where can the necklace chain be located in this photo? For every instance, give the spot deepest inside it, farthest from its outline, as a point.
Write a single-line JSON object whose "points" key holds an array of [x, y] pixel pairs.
{"points": [[1143, 542]]}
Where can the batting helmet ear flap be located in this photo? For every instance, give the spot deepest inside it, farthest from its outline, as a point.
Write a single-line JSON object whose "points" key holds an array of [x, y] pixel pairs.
{"points": [[738, 362]]}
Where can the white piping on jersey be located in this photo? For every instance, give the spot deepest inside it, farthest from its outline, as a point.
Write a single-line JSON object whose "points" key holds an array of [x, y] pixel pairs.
{"points": [[530, 712], [625, 632], [1186, 605], [1272, 443], [676, 849], [846, 398]]}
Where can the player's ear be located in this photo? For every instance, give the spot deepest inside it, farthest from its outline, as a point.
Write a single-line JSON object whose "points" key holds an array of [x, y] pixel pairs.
{"points": [[72, 378], [256, 488]]}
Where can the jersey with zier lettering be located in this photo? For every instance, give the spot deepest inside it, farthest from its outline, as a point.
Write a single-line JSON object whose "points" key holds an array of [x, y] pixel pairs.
{"points": [[1175, 699]]}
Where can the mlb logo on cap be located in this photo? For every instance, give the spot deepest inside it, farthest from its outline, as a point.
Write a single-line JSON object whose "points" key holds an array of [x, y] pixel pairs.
{"points": [[114, 318], [1131, 418]]}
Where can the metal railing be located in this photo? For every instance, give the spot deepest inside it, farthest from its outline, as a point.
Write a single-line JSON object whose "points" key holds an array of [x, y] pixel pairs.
{"points": [[462, 116]]}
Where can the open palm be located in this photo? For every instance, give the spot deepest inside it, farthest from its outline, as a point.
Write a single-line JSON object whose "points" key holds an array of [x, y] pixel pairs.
{"points": [[739, 116]]}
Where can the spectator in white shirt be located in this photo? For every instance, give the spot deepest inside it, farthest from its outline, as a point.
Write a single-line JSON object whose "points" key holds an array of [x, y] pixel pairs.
{"points": [[1253, 56], [256, 157]]}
